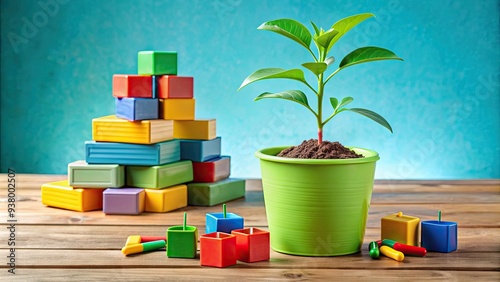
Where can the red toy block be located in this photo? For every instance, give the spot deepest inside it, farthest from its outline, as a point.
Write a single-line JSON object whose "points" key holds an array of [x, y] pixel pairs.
{"points": [[252, 244], [132, 86], [217, 249], [172, 86], [212, 170]]}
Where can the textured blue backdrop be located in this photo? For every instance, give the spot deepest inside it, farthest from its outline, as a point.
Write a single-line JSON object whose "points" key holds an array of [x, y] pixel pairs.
{"points": [[58, 57]]}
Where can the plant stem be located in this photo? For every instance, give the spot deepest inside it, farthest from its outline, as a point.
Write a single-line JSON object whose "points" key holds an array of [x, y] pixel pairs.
{"points": [[319, 117]]}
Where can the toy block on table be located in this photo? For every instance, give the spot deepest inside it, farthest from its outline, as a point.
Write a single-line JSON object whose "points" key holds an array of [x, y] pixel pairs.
{"points": [[114, 129], [212, 170], [252, 244], [123, 201], [223, 221], [165, 200], [218, 249], [60, 195], [177, 109], [132, 154], [132, 86], [401, 228], [210, 194], [157, 62], [158, 177], [439, 236], [200, 150], [82, 174], [133, 109], [201, 129], [174, 87], [182, 241]]}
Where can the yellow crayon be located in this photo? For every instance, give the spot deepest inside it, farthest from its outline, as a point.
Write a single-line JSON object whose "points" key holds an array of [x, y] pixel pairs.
{"points": [[143, 247], [391, 253]]}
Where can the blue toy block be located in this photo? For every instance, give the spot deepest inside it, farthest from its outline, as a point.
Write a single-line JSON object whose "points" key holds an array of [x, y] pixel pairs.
{"points": [[439, 236], [132, 154], [215, 222], [200, 150], [136, 108]]}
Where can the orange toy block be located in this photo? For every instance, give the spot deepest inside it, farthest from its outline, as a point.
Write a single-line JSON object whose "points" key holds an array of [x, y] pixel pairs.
{"points": [[172, 86], [132, 86], [177, 109]]}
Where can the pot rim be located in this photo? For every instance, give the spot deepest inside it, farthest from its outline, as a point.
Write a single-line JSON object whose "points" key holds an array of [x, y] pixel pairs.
{"points": [[269, 154]]}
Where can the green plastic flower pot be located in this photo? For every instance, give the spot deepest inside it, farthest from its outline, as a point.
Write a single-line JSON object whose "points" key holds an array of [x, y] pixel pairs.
{"points": [[317, 207]]}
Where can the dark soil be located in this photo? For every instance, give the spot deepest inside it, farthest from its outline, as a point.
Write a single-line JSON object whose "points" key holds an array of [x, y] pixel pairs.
{"points": [[311, 150]]}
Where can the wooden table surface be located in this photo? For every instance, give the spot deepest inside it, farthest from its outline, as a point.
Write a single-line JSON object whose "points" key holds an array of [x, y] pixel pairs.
{"points": [[59, 245]]}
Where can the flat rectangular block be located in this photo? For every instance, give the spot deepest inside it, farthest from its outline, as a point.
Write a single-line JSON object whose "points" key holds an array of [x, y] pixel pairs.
{"points": [[177, 109], [123, 201], [172, 86], [157, 62], [132, 86], [212, 170], [210, 194], [114, 129], [132, 154], [82, 174], [167, 199], [400, 228], [158, 177], [200, 150], [201, 129], [60, 195], [133, 109]]}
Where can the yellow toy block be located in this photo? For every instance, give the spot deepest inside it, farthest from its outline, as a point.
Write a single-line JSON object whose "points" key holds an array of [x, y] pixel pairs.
{"points": [[201, 129], [400, 228], [60, 195], [168, 199], [114, 129], [177, 109]]}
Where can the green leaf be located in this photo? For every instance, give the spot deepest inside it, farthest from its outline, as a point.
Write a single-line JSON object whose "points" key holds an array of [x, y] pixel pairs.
{"points": [[346, 24], [316, 30], [291, 29], [316, 67], [334, 102], [367, 54], [345, 101], [296, 74], [325, 39], [373, 116], [329, 60], [291, 95]]}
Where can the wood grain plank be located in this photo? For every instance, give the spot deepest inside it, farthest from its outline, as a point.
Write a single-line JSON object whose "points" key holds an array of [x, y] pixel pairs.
{"points": [[239, 274]]}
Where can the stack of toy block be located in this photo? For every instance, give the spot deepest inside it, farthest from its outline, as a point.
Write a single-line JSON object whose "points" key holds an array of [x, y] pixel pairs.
{"points": [[152, 155]]}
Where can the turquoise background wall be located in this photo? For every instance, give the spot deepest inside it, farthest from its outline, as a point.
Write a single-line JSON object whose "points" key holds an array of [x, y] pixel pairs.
{"points": [[58, 58]]}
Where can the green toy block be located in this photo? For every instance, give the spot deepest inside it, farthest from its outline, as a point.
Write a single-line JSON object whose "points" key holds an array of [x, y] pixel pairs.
{"points": [[211, 194], [157, 62], [82, 174], [182, 242], [160, 176]]}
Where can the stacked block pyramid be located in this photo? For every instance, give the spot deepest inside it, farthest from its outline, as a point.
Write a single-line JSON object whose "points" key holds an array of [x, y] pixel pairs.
{"points": [[152, 155]]}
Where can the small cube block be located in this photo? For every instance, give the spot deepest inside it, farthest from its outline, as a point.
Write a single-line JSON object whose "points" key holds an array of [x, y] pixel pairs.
{"points": [[132, 154], [82, 174], [172, 86], [123, 201], [182, 243], [114, 129], [212, 170], [217, 249], [215, 222], [132, 86], [210, 194], [201, 129], [439, 236], [167, 199], [133, 109], [400, 228], [157, 62], [252, 244], [158, 177], [60, 194], [177, 109], [200, 150]]}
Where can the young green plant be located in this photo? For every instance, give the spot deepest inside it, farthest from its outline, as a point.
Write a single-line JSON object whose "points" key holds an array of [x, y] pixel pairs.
{"points": [[324, 41]]}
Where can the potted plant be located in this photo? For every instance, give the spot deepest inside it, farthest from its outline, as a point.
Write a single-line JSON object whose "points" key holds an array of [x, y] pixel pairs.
{"points": [[318, 206]]}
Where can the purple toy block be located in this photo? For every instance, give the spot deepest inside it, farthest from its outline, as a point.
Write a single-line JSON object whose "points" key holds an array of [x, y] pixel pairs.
{"points": [[123, 201]]}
